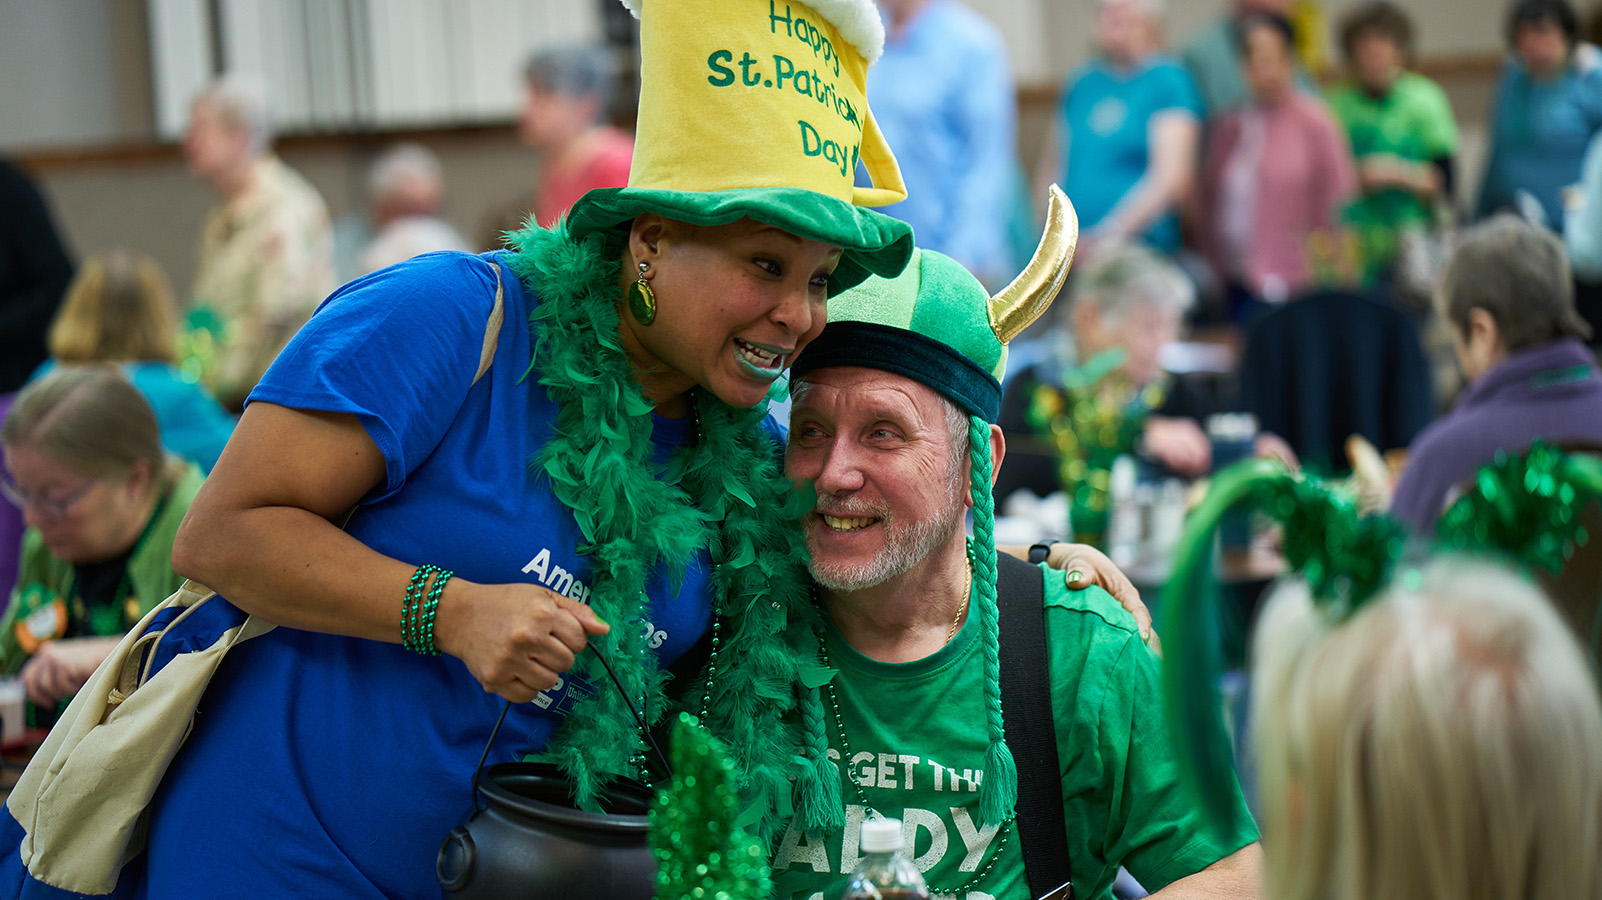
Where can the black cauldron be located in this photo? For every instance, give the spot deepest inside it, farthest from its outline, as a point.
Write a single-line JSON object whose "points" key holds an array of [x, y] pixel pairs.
{"points": [[526, 839]]}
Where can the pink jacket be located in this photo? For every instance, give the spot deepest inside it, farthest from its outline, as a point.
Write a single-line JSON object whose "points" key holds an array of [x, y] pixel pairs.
{"points": [[1302, 179]]}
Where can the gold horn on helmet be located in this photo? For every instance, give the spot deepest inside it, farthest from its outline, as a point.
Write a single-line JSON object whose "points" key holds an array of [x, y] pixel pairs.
{"points": [[1019, 304]]}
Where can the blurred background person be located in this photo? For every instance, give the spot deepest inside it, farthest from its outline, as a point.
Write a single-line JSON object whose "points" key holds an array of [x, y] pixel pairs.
{"points": [[1124, 143], [1547, 106], [1214, 57], [1105, 394], [1508, 298], [569, 93], [1582, 218], [943, 96], [119, 309], [103, 501], [266, 253], [1443, 742], [34, 271], [405, 191], [1278, 172], [1402, 135]]}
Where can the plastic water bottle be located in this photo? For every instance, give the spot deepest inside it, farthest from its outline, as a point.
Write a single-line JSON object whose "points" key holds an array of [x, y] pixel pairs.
{"points": [[886, 873]]}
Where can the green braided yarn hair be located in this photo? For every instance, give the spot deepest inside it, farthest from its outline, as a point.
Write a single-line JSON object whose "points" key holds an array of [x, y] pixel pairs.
{"points": [[937, 325], [1522, 509]]}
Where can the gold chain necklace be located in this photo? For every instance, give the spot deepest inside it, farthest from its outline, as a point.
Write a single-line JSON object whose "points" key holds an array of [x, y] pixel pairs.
{"points": [[967, 594]]}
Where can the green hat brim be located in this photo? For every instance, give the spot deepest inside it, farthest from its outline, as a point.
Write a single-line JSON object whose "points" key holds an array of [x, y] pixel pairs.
{"points": [[874, 243]]}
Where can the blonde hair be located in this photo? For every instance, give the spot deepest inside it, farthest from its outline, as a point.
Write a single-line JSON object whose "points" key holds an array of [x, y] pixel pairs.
{"points": [[89, 419], [1445, 743], [119, 308]]}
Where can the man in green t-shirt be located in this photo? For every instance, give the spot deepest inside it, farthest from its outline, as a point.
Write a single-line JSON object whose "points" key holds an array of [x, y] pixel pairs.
{"points": [[905, 701]]}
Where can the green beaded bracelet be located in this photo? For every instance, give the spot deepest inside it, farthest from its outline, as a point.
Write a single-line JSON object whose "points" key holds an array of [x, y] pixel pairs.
{"points": [[425, 643], [413, 621]]}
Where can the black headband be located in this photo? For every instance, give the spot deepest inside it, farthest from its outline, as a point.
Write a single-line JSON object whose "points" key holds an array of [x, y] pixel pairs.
{"points": [[902, 352]]}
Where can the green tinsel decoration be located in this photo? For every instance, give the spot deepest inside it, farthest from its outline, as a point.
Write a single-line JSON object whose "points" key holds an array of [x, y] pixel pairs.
{"points": [[1344, 557], [1524, 506], [701, 854]]}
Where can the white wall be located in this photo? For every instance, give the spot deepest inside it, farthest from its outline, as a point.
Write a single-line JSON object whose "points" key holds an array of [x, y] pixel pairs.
{"points": [[73, 73]]}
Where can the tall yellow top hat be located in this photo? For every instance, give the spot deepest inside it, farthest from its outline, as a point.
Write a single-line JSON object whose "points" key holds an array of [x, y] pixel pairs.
{"points": [[756, 109]]}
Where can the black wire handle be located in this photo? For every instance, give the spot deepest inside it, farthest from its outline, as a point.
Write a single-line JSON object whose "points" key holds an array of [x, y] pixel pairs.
{"points": [[650, 739]]}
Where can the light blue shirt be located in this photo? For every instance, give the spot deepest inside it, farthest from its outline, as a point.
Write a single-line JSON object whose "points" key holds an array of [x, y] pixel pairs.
{"points": [[943, 97], [1582, 230], [1106, 116]]}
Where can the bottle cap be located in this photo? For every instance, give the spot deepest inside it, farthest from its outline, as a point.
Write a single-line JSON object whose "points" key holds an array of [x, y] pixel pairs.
{"points": [[881, 836]]}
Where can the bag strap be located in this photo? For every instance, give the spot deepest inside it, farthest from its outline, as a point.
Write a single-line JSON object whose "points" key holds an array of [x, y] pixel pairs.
{"points": [[1030, 730], [492, 330]]}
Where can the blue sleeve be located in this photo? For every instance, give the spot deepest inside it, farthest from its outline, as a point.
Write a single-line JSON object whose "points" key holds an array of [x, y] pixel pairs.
{"points": [[985, 112], [1175, 90], [397, 349], [775, 432]]}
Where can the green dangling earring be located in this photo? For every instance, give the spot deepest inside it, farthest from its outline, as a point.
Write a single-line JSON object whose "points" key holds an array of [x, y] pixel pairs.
{"points": [[642, 300]]}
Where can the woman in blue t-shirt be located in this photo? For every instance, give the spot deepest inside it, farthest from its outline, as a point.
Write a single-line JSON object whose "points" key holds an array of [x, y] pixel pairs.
{"points": [[550, 456], [1126, 131]]}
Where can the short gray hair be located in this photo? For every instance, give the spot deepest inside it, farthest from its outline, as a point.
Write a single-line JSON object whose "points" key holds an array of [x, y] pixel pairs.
{"points": [[575, 72], [401, 165], [1445, 741], [241, 102], [1121, 276], [1519, 274]]}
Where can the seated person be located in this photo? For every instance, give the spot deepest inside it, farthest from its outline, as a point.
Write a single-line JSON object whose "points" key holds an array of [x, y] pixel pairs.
{"points": [[894, 425], [1445, 741], [119, 309], [103, 501], [1071, 419], [1507, 294]]}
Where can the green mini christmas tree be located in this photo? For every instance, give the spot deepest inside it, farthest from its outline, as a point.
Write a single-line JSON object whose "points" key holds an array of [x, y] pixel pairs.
{"points": [[700, 853]]}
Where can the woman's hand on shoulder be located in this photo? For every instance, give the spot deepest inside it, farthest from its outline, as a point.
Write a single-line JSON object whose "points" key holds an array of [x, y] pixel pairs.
{"points": [[516, 639]]}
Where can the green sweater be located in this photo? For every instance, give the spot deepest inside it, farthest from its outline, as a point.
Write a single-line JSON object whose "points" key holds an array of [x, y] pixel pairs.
{"points": [[43, 579]]}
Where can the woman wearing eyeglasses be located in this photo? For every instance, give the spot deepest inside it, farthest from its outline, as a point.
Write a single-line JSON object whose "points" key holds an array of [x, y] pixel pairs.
{"points": [[102, 501]]}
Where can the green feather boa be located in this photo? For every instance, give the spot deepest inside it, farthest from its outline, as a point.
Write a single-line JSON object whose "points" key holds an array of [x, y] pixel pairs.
{"points": [[725, 492]]}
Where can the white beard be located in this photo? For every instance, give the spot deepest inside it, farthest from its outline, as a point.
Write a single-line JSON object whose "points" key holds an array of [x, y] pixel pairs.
{"points": [[905, 547]]}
